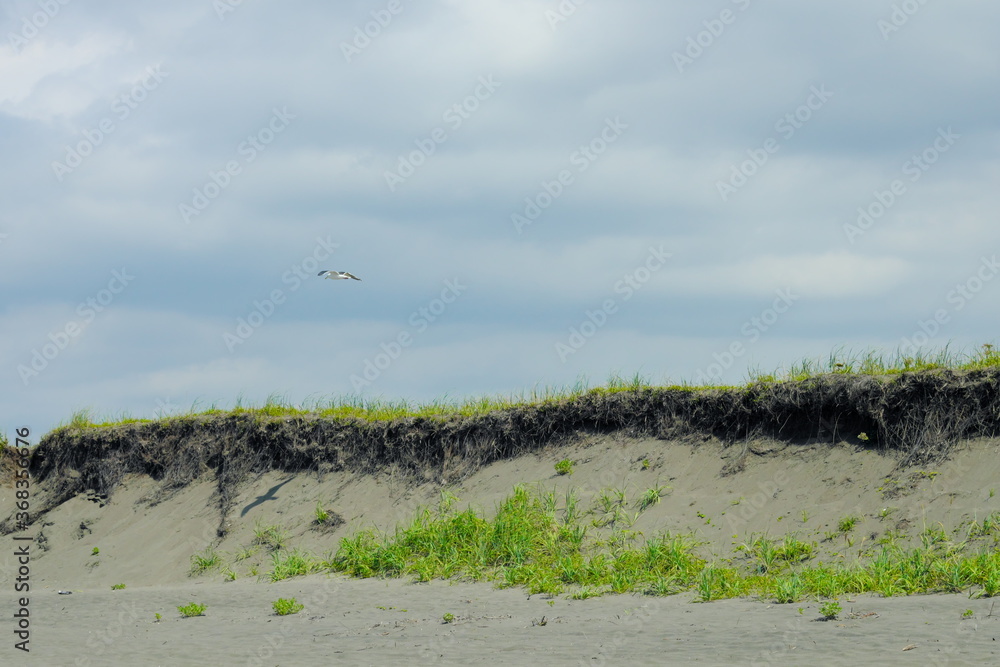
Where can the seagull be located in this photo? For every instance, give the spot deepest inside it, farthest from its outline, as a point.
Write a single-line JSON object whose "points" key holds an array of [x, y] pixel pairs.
{"points": [[337, 275]]}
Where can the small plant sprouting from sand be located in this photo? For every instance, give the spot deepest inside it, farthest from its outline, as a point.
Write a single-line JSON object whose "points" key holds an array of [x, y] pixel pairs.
{"points": [[584, 593], [571, 512], [269, 536], [847, 524], [830, 610], [990, 525], [326, 518], [193, 609], [652, 497], [293, 563], [930, 536], [286, 606], [95, 552], [321, 514], [159, 617], [967, 614], [246, 552], [771, 556], [206, 561], [645, 464], [789, 589], [118, 587], [448, 617], [564, 467]]}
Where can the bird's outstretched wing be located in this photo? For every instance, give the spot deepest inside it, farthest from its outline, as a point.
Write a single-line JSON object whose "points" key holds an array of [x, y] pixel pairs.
{"points": [[337, 275]]}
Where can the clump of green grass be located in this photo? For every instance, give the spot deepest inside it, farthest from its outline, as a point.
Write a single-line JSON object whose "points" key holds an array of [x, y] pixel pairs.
{"points": [[326, 518], [530, 542], [788, 589], [873, 362], [245, 552], [771, 556], [269, 536], [321, 514], [847, 523], [204, 562], [564, 467], [448, 617], [525, 544], [830, 610], [295, 563], [651, 497], [117, 587], [286, 606], [193, 609]]}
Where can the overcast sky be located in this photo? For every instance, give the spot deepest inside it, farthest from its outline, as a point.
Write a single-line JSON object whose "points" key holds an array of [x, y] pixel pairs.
{"points": [[531, 191]]}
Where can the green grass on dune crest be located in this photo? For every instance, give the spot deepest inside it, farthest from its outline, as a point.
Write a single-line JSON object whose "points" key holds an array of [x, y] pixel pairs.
{"points": [[354, 406]]}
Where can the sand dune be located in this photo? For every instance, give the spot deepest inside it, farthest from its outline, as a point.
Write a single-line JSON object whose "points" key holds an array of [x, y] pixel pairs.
{"points": [[146, 535]]}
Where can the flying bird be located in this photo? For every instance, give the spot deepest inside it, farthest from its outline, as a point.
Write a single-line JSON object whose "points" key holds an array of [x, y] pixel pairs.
{"points": [[337, 275]]}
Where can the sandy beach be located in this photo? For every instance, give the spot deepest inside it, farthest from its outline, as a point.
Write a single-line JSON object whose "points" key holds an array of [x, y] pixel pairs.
{"points": [[376, 622]]}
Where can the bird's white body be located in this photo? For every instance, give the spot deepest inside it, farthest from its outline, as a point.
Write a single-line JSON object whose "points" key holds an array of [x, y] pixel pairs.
{"points": [[338, 275]]}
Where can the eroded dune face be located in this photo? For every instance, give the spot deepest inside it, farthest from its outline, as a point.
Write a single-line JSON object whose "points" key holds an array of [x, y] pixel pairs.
{"points": [[844, 462], [762, 484]]}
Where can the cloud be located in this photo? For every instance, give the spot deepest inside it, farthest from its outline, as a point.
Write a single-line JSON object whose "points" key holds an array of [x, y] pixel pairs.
{"points": [[516, 152]]}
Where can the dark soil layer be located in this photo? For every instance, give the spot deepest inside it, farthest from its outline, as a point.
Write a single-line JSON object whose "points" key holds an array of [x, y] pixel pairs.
{"points": [[914, 416]]}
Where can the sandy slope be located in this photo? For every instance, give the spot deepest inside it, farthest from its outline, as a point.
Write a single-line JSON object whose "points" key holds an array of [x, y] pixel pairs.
{"points": [[146, 540]]}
